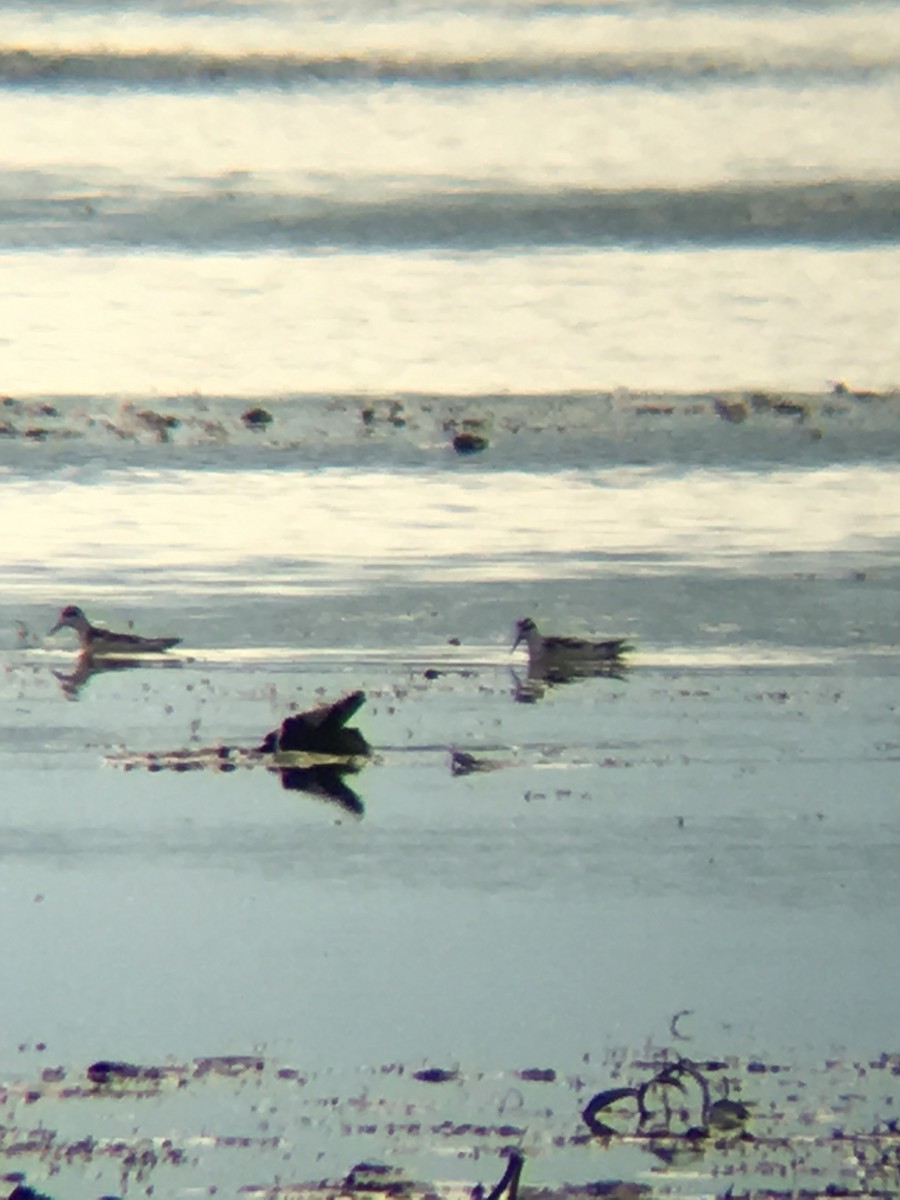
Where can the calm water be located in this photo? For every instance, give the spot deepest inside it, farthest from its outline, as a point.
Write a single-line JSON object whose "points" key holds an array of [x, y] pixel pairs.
{"points": [[571, 224]]}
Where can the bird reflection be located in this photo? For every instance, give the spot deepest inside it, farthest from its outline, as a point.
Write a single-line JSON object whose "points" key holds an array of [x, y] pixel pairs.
{"points": [[87, 667], [539, 678]]}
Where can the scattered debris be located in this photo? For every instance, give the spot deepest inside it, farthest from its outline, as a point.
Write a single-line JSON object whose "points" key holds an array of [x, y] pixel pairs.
{"points": [[654, 410], [160, 424], [104, 1072], [823, 1131], [537, 1074], [647, 1109], [734, 411], [463, 763]]}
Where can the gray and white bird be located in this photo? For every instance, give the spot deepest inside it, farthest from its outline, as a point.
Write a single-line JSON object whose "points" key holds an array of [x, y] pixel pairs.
{"points": [[95, 641], [546, 652]]}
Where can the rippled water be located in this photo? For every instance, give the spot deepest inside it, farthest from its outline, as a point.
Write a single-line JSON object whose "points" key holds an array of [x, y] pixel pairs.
{"points": [[299, 533]]}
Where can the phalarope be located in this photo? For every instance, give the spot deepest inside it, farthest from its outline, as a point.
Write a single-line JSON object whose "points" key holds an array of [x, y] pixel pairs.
{"points": [[96, 641], [547, 652]]}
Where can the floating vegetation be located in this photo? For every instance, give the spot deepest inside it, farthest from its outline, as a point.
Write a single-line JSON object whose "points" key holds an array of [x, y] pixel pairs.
{"points": [[250, 1125]]}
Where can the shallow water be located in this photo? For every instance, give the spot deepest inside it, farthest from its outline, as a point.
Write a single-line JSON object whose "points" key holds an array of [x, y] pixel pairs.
{"points": [[705, 791], [573, 231], [683, 839]]}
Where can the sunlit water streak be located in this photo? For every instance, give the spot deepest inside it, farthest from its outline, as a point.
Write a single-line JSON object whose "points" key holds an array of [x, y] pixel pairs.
{"points": [[469, 323], [298, 531]]}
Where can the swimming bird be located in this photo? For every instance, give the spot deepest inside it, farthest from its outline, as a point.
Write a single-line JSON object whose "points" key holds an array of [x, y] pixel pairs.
{"points": [[96, 641], [549, 654]]}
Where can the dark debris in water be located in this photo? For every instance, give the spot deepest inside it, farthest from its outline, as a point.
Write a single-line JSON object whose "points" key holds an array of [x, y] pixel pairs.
{"points": [[469, 443], [463, 763], [665, 1107], [715, 1126], [22, 1191], [595, 426], [257, 418], [436, 1075]]}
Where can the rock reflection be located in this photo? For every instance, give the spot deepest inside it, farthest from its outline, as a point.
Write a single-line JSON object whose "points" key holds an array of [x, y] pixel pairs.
{"points": [[310, 752], [324, 781]]}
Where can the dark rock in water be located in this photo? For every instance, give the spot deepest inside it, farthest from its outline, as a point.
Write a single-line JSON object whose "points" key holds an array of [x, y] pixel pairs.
{"points": [[538, 1074], [23, 1192], [469, 443], [105, 1071], [321, 731], [102, 1072], [256, 418], [435, 1075]]}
